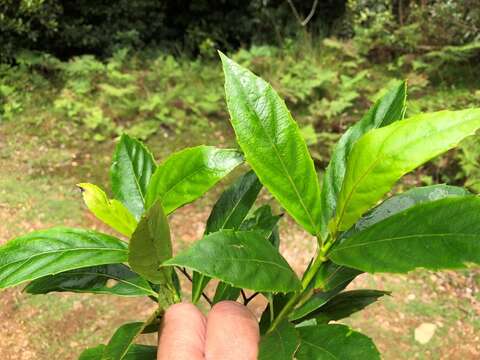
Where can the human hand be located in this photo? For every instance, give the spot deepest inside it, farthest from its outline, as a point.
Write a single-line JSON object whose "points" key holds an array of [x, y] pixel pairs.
{"points": [[228, 332]]}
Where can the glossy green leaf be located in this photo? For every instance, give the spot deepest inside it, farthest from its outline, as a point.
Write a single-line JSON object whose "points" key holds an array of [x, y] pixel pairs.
{"points": [[188, 174], [55, 250], [263, 220], [442, 234], [280, 344], [328, 281], [390, 108], [405, 200], [384, 155], [132, 167], [225, 292], [332, 276], [234, 204], [334, 342], [135, 352], [340, 306], [141, 352], [151, 245], [120, 343], [228, 213], [345, 304], [95, 280], [244, 259], [272, 144], [111, 212], [95, 353], [316, 301]]}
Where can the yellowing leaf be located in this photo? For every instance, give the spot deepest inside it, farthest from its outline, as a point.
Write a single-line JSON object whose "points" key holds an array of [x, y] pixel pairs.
{"points": [[111, 212]]}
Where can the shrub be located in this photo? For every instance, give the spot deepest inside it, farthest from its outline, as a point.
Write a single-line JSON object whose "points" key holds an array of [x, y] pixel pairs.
{"points": [[433, 227], [387, 29]]}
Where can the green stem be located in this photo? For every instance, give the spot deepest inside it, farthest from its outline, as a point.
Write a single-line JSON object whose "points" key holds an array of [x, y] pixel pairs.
{"points": [[307, 279]]}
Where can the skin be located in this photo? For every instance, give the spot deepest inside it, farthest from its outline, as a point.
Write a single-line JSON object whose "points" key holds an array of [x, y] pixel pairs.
{"points": [[229, 331]]}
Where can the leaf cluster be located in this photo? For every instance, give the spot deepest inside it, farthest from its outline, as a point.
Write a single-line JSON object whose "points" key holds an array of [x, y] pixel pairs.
{"points": [[356, 229]]}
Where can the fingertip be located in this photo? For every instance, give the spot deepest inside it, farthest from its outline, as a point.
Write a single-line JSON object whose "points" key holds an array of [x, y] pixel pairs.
{"points": [[182, 334], [183, 310], [232, 332], [232, 309]]}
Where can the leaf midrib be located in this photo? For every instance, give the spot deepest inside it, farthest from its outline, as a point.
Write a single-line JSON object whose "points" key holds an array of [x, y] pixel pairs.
{"points": [[108, 277], [24, 260], [130, 157], [188, 176], [377, 159], [434, 235], [320, 348], [232, 210], [266, 262], [277, 153]]}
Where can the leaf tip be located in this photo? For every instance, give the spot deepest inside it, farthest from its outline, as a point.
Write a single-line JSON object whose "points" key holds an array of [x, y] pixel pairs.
{"points": [[81, 187]]}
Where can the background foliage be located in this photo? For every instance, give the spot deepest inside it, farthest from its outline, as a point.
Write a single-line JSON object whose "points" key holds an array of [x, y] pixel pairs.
{"points": [[142, 66]]}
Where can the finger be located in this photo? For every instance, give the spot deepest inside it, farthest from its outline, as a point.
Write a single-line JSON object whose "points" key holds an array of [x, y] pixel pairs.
{"points": [[232, 333], [182, 335]]}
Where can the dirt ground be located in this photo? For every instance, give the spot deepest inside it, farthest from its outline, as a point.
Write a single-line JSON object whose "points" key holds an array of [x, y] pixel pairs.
{"points": [[37, 191]]}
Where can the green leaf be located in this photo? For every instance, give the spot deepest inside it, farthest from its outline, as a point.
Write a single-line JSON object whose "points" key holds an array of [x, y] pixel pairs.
{"points": [[332, 276], [316, 301], [225, 292], [263, 219], [442, 234], [151, 245], [275, 237], [273, 144], [334, 342], [141, 352], [94, 280], [390, 108], [122, 340], [95, 353], [132, 167], [111, 212], [384, 155], [244, 259], [234, 204], [405, 200], [343, 305], [228, 213], [329, 281], [188, 174], [55, 250], [199, 283], [135, 352], [280, 344]]}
